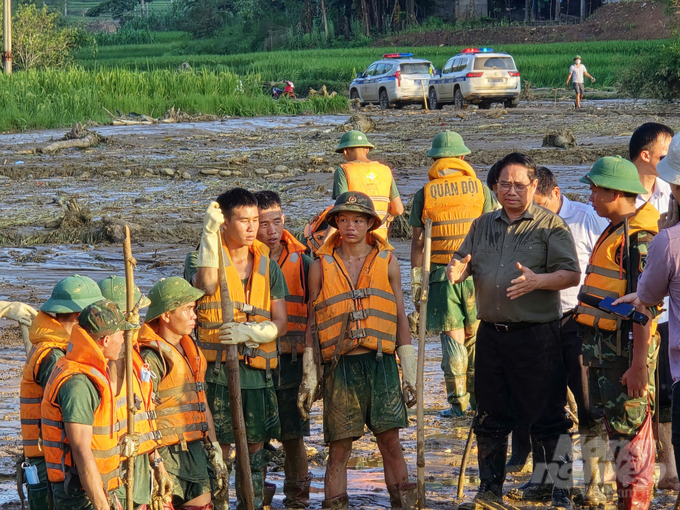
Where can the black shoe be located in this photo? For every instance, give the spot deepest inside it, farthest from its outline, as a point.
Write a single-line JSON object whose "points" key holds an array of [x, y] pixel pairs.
{"points": [[560, 499], [532, 492], [516, 464]]}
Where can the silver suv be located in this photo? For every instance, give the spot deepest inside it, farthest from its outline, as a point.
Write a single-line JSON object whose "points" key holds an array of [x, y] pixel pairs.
{"points": [[396, 80], [477, 76]]}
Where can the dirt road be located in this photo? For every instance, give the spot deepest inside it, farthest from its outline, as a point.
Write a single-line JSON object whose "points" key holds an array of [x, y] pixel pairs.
{"points": [[159, 179]]}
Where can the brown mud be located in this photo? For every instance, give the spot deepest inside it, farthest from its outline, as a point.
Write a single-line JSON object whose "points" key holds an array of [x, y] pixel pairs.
{"points": [[159, 178]]}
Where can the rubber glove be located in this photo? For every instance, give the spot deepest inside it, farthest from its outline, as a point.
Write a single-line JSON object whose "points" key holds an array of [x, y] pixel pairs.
{"points": [[164, 484], [250, 333], [407, 358], [310, 382], [208, 255], [214, 451], [130, 444], [17, 311], [416, 284]]}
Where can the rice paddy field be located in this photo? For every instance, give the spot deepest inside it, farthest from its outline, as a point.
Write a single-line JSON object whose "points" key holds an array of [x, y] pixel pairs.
{"points": [[145, 79]]}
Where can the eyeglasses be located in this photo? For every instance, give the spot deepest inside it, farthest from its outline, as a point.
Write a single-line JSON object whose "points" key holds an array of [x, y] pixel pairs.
{"points": [[506, 186]]}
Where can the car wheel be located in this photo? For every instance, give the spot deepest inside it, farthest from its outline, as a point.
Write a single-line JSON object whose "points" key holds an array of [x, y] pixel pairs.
{"points": [[384, 100], [512, 103], [484, 106], [354, 94], [458, 100], [434, 104]]}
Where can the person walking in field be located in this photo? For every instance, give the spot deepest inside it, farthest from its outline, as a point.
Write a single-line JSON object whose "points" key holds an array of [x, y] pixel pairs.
{"points": [[576, 73]]}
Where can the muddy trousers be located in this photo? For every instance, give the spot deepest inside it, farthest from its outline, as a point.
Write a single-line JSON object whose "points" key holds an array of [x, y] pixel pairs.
{"points": [[258, 468], [458, 365], [517, 374]]}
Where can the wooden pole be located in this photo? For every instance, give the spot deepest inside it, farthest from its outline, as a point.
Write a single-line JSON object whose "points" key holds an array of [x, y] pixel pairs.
{"points": [[130, 264], [234, 381], [7, 36], [421, 364], [422, 86], [463, 464]]}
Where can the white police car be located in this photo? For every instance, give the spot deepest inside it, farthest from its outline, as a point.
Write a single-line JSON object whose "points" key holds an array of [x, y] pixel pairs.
{"points": [[478, 76], [396, 80]]}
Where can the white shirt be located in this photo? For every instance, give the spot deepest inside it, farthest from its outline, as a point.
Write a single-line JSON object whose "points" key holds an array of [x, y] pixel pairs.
{"points": [[586, 227], [660, 198], [577, 73]]}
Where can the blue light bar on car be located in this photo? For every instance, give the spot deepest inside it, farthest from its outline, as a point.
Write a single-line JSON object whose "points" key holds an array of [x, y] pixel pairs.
{"points": [[486, 50], [397, 55]]}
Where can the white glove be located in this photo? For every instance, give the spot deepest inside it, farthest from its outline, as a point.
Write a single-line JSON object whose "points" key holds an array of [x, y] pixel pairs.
{"points": [[215, 456], [407, 358], [250, 333], [210, 240], [17, 311], [310, 382]]}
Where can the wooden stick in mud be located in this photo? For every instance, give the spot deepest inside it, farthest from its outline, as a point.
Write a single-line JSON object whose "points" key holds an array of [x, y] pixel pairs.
{"points": [[463, 463], [234, 382], [130, 264], [421, 363], [422, 86]]}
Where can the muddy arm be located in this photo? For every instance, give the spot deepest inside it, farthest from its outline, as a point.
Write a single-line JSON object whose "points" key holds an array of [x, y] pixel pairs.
{"points": [[206, 279], [80, 439], [417, 244], [403, 330], [314, 281], [396, 207]]}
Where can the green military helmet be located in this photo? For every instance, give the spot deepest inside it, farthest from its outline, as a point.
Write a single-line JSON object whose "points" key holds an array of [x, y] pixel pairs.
{"points": [[614, 172], [72, 294], [113, 288], [448, 144], [353, 139], [103, 318], [353, 201], [170, 293]]}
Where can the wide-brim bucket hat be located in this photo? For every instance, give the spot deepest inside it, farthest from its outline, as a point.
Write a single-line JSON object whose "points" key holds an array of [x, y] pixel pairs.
{"points": [[353, 201]]}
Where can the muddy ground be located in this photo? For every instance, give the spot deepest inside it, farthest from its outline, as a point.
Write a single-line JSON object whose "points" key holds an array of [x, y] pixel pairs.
{"points": [[125, 181]]}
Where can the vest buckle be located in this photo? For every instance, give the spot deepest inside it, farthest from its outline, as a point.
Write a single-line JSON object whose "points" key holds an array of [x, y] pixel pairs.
{"points": [[248, 309], [200, 386], [358, 315], [358, 293], [201, 407], [357, 333]]}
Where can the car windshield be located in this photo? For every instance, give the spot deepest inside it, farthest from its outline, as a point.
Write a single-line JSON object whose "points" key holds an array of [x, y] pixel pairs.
{"points": [[415, 68], [482, 63]]}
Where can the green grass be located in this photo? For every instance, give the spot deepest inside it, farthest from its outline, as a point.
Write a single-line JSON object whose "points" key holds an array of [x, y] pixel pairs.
{"points": [[44, 99], [544, 65]]}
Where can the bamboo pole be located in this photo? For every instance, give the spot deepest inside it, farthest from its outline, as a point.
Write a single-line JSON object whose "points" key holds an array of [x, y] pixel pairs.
{"points": [[130, 264], [422, 86], [234, 381], [7, 36], [421, 364], [463, 463]]}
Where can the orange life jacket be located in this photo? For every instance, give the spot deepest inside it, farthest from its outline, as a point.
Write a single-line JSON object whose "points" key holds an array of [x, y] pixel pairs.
{"points": [[315, 230], [293, 270], [84, 357], [349, 317], [375, 180], [607, 278], [454, 197], [180, 415], [255, 307], [46, 333]]}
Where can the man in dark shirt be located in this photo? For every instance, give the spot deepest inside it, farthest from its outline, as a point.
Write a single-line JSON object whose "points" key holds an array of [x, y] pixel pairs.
{"points": [[520, 257]]}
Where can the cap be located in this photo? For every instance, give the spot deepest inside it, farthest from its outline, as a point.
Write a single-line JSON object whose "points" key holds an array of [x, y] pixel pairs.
{"points": [[170, 293], [103, 318], [353, 201], [614, 172], [448, 144]]}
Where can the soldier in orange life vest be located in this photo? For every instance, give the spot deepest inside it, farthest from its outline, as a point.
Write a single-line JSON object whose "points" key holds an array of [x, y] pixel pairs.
{"points": [[49, 335], [178, 373], [366, 176], [84, 418], [452, 199], [288, 252], [258, 290], [355, 294]]}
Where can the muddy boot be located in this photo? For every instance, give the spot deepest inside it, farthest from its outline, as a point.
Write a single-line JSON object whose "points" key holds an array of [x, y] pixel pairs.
{"points": [[340, 502], [297, 493], [258, 467], [491, 454], [403, 496], [540, 486], [591, 450], [521, 448], [558, 454], [269, 491], [471, 347], [455, 365]]}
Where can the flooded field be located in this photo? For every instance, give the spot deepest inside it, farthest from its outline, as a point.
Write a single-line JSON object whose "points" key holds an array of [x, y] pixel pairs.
{"points": [[62, 214]]}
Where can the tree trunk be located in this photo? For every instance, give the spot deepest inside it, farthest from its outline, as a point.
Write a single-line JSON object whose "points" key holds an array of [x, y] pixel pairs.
{"points": [[527, 9], [583, 9], [558, 8], [323, 17]]}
